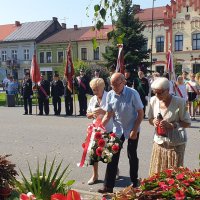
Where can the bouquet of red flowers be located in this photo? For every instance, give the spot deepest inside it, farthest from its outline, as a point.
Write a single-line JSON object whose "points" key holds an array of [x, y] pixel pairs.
{"points": [[104, 146]]}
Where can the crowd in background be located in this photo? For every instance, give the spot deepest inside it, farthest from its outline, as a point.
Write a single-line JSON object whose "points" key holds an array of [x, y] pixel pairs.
{"points": [[187, 86]]}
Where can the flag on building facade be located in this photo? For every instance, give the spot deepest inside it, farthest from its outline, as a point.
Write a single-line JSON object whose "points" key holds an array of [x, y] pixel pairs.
{"points": [[120, 60], [69, 69], [35, 71]]}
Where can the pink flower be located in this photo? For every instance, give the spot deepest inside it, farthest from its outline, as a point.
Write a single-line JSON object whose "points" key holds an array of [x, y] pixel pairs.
{"points": [[112, 134], [101, 143], [180, 176], [99, 151], [163, 186], [98, 135], [169, 172], [179, 195], [170, 181], [186, 182], [115, 148], [28, 196]]}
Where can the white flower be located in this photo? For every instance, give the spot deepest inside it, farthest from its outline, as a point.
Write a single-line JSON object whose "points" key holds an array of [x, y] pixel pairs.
{"points": [[112, 139], [91, 152], [105, 160]]}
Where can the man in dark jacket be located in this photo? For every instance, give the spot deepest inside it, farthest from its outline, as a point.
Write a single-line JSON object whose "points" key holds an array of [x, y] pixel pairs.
{"points": [[82, 85], [68, 99], [57, 90], [43, 95], [27, 94], [141, 84]]}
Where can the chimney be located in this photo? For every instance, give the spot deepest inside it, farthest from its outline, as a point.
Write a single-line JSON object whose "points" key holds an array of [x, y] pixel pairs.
{"points": [[55, 19], [75, 27], [136, 8], [64, 25], [17, 23]]}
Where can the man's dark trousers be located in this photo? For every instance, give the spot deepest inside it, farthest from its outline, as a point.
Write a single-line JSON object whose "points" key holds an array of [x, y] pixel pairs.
{"points": [[111, 169]]}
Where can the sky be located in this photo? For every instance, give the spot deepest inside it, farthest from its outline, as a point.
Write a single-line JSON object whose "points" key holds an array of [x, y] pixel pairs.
{"points": [[70, 12]]}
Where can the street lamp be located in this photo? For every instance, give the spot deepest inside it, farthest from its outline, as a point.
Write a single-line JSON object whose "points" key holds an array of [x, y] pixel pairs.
{"points": [[152, 35]]}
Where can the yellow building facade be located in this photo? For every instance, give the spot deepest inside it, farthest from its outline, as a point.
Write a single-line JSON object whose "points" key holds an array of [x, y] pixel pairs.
{"points": [[176, 27]]}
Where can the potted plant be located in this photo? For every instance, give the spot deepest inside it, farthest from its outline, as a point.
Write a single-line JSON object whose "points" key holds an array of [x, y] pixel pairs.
{"points": [[46, 184], [7, 176]]}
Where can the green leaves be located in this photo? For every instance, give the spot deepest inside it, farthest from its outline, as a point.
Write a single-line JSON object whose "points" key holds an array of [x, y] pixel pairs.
{"points": [[103, 13], [96, 8], [45, 183], [94, 42]]}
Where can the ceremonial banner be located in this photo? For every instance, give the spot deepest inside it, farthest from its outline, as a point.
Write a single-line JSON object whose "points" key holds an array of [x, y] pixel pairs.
{"points": [[35, 71], [69, 69], [120, 60]]}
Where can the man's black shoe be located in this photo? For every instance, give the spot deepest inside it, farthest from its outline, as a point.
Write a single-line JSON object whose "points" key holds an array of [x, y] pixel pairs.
{"points": [[105, 190], [136, 183], [40, 114], [30, 113], [25, 114]]}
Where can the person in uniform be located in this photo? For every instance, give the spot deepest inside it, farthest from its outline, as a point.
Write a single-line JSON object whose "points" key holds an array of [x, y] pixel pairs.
{"points": [[68, 98], [82, 84], [57, 90], [142, 86], [129, 80], [43, 95], [27, 94]]}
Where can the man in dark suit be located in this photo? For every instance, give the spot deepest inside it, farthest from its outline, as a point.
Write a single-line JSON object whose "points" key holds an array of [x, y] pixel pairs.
{"points": [[27, 94], [68, 99], [57, 90], [141, 84], [43, 95], [82, 84]]}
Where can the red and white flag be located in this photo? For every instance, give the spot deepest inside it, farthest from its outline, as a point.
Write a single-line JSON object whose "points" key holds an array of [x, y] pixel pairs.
{"points": [[35, 71], [170, 66], [120, 60], [69, 69]]}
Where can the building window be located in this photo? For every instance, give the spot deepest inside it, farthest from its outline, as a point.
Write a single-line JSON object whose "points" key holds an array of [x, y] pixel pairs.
{"points": [[96, 53], [48, 57], [41, 57], [145, 46], [14, 54], [196, 41], [160, 44], [60, 56], [179, 43], [83, 53], [3, 56], [26, 54]]}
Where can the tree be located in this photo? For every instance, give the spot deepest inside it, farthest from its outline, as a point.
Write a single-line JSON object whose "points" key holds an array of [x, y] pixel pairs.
{"points": [[127, 30]]}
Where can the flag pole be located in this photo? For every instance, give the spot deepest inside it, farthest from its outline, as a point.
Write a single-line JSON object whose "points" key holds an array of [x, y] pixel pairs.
{"points": [[74, 98]]}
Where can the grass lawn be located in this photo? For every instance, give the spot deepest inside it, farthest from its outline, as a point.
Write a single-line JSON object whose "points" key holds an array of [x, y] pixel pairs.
{"points": [[2, 99]]}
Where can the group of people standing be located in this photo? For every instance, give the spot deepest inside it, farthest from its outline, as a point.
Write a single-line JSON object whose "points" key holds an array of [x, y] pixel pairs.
{"points": [[122, 109]]}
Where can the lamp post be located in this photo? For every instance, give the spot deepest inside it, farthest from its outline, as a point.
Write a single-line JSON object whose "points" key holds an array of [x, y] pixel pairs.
{"points": [[152, 34]]}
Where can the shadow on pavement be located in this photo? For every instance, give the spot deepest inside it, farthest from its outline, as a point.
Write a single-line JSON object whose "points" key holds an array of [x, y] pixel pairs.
{"points": [[123, 181]]}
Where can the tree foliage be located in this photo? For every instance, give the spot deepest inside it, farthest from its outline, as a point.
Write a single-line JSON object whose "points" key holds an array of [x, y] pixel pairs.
{"points": [[128, 31]]}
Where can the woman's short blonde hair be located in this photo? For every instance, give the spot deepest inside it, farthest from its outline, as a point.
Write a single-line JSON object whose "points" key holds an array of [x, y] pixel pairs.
{"points": [[160, 83], [97, 83]]}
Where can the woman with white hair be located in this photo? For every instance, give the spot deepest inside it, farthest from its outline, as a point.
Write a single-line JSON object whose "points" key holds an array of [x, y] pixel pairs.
{"points": [[96, 111], [168, 115]]}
